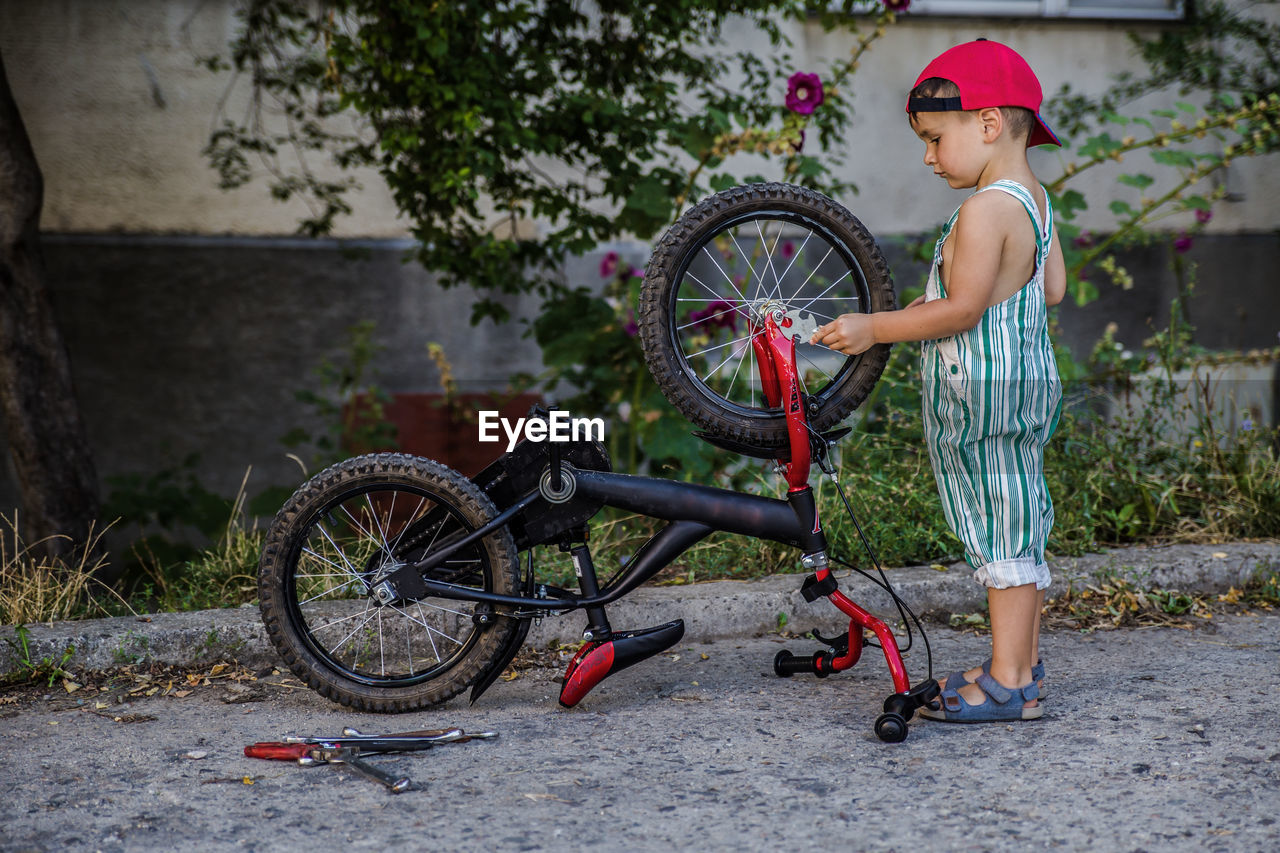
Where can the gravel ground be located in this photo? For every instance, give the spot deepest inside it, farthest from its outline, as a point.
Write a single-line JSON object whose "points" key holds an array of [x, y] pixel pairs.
{"points": [[1152, 739]]}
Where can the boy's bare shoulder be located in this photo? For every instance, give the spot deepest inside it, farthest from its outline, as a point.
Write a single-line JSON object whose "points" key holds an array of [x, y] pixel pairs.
{"points": [[992, 210]]}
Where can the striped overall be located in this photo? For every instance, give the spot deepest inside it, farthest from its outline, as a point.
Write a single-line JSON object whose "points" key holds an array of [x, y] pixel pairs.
{"points": [[991, 402]]}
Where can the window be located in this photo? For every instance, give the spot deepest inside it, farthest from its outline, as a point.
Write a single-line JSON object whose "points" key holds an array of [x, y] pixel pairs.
{"points": [[1150, 10]]}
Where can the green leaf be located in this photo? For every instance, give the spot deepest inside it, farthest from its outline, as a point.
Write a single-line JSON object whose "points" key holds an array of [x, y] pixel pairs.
{"points": [[1137, 180], [650, 197], [1122, 208], [720, 119], [1173, 157], [1070, 203], [811, 167], [1185, 107], [722, 181]]}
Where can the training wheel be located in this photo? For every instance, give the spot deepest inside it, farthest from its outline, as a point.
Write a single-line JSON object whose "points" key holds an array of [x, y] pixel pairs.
{"points": [[891, 728]]}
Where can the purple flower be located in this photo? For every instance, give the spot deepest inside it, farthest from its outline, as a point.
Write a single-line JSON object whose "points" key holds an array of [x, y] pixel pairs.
{"points": [[788, 249], [804, 93], [1183, 243], [609, 265], [896, 5], [1203, 216], [1084, 241], [718, 313], [631, 328], [1246, 424]]}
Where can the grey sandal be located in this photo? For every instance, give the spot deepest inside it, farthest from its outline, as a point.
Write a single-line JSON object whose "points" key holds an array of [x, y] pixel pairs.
{"points": [[1002, 704], [956, 680]]}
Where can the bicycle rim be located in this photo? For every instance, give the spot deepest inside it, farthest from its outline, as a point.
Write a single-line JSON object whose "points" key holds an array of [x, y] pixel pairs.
{"points": [[349, 546]]}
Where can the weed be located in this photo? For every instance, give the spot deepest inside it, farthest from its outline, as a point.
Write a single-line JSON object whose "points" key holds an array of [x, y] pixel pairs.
{"points": [[224, 575], [131, 650], [38, 589], [28, 670]]}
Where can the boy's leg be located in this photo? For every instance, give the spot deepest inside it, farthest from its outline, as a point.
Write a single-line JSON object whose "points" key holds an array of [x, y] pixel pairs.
{"points": [[1035, 635], [1015, 617]]}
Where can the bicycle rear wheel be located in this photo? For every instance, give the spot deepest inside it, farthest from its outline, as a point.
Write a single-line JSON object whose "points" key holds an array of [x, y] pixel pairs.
{"points": [[725, 264], [343, 533]]}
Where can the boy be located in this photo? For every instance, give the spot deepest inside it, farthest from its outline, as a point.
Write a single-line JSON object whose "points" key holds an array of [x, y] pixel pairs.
{"points": [[991, 389]]}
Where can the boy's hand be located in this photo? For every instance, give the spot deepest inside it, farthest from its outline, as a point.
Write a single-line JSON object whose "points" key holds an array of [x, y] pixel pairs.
{"points": [[850, 334]]}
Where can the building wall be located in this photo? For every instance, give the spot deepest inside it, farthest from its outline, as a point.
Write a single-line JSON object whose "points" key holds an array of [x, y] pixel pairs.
{"points": [[193, 315], [119, 110]]}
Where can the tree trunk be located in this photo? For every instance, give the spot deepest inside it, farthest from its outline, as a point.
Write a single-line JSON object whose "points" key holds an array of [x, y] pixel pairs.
{"points": [[47, 440]]}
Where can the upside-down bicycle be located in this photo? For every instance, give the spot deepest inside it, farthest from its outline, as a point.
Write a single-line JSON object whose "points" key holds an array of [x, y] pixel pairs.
{"points": [[391, 583]]}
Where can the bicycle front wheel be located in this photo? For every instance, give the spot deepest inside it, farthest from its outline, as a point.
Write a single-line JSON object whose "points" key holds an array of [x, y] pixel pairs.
{"points": [[742, 254]]}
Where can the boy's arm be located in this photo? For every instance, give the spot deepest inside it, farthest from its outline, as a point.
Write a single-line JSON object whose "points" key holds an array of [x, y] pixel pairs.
{"points": [[1055, 273], [977, 240]]}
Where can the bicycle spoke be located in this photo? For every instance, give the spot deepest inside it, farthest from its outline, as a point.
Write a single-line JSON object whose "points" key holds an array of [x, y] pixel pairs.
{"points": [[727, 277], [812, 273], [794, 258], [747, 258], [719, 297], [768, 253], [705, 319], [829, 286], [723, 363], [734, 378], [816, 366], [382, 652], [718, 346], [430, 639]]}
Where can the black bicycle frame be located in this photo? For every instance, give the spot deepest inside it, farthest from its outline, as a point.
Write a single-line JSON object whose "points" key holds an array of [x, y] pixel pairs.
{"points": [[695, 511]]}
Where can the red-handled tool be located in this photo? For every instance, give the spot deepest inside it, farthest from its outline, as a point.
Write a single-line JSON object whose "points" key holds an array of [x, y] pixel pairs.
{"points": [[279, 751]]}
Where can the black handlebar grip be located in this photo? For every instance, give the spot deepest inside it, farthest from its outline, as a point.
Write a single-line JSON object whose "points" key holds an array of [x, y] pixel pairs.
{"points": [[786, 664]]}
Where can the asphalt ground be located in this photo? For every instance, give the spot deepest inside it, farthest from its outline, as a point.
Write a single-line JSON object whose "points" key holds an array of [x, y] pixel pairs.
{"points": [[1153, 738]]}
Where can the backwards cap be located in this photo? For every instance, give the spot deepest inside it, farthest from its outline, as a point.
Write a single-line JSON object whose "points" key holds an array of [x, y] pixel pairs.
{"points": [[988, 74]]}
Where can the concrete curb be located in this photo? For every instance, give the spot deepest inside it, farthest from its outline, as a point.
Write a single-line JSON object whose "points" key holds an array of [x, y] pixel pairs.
{"points": [[711, 611]]}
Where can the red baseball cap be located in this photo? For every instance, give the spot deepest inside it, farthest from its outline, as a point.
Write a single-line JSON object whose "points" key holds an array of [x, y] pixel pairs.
{"points": [[988, 74]]}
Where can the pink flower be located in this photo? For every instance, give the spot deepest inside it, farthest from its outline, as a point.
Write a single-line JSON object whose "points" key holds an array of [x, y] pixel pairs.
{"points": [[1203, 216], [788, 249], [1183, 243], [896, 5], [804, 93], [1084, 241], [631, 329], [609, 265]]}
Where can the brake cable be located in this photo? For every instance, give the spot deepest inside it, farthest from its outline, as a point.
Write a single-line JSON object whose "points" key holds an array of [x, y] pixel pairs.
{"points": [[904, 609]]}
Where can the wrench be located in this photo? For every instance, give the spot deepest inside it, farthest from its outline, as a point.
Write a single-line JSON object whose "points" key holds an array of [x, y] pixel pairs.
{"points": [[435, 735], [404, 740], [350, 757]]}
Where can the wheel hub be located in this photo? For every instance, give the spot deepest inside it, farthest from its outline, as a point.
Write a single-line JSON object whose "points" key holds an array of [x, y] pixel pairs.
{"points": [[792, 320]]}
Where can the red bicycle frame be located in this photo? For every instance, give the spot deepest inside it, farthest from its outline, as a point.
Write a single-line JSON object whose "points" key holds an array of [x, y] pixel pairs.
{"points": [[776, 355]]}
